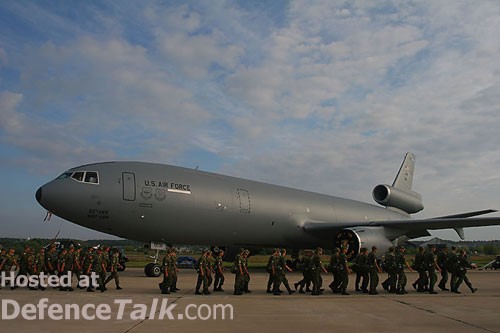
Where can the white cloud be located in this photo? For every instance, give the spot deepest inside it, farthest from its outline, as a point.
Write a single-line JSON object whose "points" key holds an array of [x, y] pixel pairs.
{"points": [[320, 95]]}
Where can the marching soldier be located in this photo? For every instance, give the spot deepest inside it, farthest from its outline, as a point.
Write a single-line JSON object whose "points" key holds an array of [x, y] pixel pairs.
{"points": [[53, 257], [421, 284], [61, 266], [280, 275], [210, 269], [39, 264], [3, 253], [305, 267], [113, 267], [30, 264], [400, 270], [451, 266], [361, 269], [390, 267], [271, 269], [88, 266], [219, 272], [202, 274], [22, 260], [461, 272], [431, 264], [166, 284], [317, 268], [8, 262], [373, 269], [239, 273], [334, 268], [246, 272], [344, 271], [100, 269], [77, 266], [173, 267], [441, 261]]}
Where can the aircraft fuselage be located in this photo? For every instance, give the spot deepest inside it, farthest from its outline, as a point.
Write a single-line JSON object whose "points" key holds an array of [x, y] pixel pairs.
{"points": [[154, 202]]}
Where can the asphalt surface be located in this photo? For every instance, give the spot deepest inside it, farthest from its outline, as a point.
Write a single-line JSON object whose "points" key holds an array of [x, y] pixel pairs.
{"points": [[253, 312]]}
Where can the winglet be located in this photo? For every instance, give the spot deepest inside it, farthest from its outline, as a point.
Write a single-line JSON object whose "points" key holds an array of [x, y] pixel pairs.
{"points": [[404, 178]]}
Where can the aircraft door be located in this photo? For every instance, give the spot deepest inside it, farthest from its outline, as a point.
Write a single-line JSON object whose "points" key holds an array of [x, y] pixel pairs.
{"points": [[128, 181], [244, 198]]}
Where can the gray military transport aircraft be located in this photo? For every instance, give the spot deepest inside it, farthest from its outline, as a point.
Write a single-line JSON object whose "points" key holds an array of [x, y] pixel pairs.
{"points": [[165, 204]]}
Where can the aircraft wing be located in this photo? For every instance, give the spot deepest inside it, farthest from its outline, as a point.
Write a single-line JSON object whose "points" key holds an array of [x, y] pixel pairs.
{"points": [[413, 228]]}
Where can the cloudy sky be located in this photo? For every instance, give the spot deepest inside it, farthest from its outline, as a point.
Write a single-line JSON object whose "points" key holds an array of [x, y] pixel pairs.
{"points": [[320, 95]]}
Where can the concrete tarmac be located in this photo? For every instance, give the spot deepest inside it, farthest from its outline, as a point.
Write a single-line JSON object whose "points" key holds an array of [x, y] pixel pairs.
{"points": [[253, 312]]}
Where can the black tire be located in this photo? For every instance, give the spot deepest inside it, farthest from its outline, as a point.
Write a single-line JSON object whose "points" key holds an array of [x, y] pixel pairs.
{"points": [[148, 270]]}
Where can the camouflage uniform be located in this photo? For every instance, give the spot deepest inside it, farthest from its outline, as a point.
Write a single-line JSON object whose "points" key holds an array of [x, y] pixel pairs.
{"points": [[451, 266], [441, 261], [88, 266], [373, 270], [430, 263], [30, 265], [246, 273], [334, 268], [317, 268], [239, 274], [100, 269], [271, 269], [421, 284], [361, 264], [390, 267], [305, 267], [400, 271], [219, 272], [8, 261], [202, 275], [173, 267], [461, 272], [280, 275], [113, 268], [23, 262], [343, 272], [166, 284]]}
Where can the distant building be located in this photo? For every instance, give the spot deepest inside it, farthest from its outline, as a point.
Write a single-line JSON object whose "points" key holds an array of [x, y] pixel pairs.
{"points": [[437, 242]]}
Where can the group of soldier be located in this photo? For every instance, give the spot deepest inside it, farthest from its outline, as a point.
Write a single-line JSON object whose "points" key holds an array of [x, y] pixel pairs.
{"points": [[367, 268], [75, 261], [209, 269]]}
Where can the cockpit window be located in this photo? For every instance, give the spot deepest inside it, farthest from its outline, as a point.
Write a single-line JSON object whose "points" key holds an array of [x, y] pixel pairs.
{"points": [[78, 175], [65, 175], [91, 177]]}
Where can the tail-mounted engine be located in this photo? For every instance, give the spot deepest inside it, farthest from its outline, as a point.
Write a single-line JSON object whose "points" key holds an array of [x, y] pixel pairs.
{"points": [[390, 196]]}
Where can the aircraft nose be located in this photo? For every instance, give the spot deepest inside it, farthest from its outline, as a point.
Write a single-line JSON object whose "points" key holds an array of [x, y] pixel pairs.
{"points": [[38, 195]]}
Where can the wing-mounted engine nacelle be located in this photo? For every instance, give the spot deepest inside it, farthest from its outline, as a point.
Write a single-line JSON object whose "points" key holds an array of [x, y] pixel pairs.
{"points": [[389, 196], [356, 238]]}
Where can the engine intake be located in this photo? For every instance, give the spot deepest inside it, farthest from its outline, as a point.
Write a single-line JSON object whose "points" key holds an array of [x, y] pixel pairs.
{"points": [[358, 237], [389, 196]]}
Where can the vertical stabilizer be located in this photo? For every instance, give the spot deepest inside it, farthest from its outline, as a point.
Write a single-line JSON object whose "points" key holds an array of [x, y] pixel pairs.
{"points": [[400, 195], [404, 178]]}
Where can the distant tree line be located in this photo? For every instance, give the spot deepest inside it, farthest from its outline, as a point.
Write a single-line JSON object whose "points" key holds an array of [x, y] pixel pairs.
{"points": [[479, 247]]}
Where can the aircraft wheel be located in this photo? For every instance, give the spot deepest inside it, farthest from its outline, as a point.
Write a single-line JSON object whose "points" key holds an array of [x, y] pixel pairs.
{"points": [[156, 270], [148, 270]]}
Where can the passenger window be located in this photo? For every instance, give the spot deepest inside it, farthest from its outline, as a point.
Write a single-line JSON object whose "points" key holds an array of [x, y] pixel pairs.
{"points": [[91, 177], [78, 176]]}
